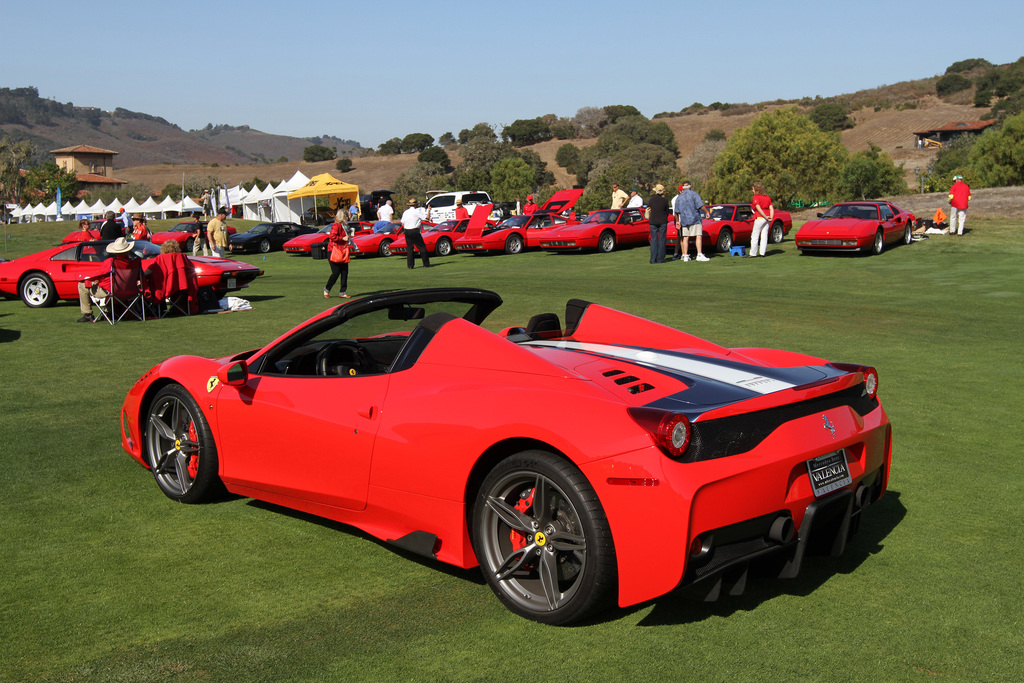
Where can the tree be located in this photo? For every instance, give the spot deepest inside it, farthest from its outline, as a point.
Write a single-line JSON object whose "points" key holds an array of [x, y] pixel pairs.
{"points": [[951, 83], [715, 135], [589, 121], [344, 164], [447, 139], [480, 130], [13, 155], [998, 155], [618, 111], [416, 142], [512, 178], [435, 155], [318, 153], [870, 175], [392, 146], [634, 130], [568, 157], [701, 162], [831, 116], [418, 179], [967, 65], [784, 150], [523, 132], [42, 183]]}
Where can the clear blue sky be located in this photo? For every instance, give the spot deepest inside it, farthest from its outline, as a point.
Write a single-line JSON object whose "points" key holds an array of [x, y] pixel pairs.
{"points": [[370, 71]]}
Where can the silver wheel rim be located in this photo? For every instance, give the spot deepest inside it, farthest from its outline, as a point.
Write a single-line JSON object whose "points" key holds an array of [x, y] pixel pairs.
{"points": [[878, 243], [777, 234], [444, 247], [172, 445], [607, 242], [536, 551], [265, 246], [385, 248], [36, 290], [514, 245]]}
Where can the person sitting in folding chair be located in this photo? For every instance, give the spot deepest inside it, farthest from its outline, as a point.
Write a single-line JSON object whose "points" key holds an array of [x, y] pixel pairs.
{"points": [[171, 282], [100, 288]]}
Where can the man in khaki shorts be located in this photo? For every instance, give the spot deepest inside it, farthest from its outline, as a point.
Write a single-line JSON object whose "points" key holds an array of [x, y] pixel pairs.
{"points": [[689, 208]]}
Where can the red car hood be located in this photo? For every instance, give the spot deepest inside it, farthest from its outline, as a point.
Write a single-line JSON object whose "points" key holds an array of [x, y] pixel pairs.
{"points": [[563, 200], [838, 226], [477, 221]]}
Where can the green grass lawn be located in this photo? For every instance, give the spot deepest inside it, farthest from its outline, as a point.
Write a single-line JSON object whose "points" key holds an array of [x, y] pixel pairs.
{"points": [[105, 579]]}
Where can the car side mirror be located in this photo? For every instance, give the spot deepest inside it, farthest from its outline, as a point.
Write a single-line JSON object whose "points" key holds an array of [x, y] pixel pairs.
{"points": [[234, 374], [820, 215]]}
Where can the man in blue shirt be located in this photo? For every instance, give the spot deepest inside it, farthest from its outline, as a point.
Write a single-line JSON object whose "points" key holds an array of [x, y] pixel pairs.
{"points": [[688, 208]]}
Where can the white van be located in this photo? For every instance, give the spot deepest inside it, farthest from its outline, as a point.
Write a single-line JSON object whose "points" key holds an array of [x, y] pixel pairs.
{"points": [[442, 204]]}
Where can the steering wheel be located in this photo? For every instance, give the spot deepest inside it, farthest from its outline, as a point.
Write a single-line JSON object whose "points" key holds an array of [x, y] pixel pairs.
{"points": [[343, 358]]}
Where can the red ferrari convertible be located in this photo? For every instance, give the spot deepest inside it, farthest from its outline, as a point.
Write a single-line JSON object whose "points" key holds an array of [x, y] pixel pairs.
{"points": [[594, 459], [42, 278], [856, 226]]}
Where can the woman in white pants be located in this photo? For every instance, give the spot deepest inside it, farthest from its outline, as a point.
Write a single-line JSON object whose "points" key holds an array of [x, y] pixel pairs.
{"points": [[764, 213]]}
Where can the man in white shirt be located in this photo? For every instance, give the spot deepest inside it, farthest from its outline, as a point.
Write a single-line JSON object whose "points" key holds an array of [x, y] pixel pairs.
{"points": [[385, 212], [412, 221], [635, 200]]}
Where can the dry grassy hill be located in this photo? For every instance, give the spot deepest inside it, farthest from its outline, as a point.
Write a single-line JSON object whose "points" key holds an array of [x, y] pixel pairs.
{"points": [[891, 129]]}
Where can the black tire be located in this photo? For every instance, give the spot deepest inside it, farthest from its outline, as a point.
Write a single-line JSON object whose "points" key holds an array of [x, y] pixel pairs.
{"points": [[724, 243], [264, 246], [190, 243], [878, 246], [776, 234], [178, 446], [37, 290], [606, 242], [908, 233], [385, 247], [443, 247], [514, 244], [543, 540]]}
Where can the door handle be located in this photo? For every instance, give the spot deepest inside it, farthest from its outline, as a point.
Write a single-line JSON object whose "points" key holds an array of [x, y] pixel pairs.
{"points": [[369, 413]]}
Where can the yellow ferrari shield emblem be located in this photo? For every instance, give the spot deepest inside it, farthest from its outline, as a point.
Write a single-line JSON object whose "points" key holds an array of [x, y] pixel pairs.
{"points": [[211, 384], [540, 539]]}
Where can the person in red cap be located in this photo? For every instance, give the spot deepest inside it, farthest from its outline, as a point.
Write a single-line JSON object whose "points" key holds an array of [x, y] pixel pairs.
{"points": [[529, 207]]}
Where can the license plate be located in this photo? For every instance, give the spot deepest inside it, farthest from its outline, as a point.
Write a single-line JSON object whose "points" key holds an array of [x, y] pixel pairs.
{"points": [[828, 472], [231, 283]]}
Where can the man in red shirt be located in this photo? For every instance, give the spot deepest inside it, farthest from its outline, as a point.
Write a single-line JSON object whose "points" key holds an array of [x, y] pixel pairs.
{"points": [[529, 207], [959, 197], [460, 210]]}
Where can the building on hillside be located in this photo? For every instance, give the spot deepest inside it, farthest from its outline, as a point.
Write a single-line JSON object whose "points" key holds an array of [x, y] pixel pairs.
{"points": [[939, 137], [94, 166]]}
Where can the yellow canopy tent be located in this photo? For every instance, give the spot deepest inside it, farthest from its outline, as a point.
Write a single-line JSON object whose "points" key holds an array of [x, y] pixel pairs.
{"points": [[336, 191]]}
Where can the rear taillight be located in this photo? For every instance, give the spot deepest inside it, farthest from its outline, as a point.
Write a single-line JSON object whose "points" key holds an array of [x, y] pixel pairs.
{"points": [[870, 376], [670, 431]]}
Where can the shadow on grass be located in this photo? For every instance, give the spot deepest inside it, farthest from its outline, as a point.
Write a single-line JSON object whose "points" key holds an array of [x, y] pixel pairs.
{"points": [[9, 335], [876, 523], [472, 575]]}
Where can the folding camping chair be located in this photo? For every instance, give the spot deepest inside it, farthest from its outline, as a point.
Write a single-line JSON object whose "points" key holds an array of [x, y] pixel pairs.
{"points": [[172, 285], [125, 297]]}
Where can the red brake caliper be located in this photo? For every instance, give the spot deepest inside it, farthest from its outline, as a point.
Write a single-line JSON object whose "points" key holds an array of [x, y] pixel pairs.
{"points": [[520, 540], [193, 461]]}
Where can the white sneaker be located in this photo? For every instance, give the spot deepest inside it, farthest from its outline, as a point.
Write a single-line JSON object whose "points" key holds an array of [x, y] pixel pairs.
{"points": [[686, 257], [702, 257]]}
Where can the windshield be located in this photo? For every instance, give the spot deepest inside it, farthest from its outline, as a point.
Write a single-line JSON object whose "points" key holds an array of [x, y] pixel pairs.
{"points": [[601, 217], [513, 222], [260, 229], [867, 212]]}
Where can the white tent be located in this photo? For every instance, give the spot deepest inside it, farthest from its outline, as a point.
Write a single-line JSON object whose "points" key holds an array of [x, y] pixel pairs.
{"points": [[187, 204], [82, 209], [166, 205], [99, 208], [283, 209], [149, 207], [132, 206], [114, 205], [250, 203]]}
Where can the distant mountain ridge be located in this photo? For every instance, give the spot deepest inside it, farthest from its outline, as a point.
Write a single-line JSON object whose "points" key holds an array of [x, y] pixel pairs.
{"points": [[142, 139]]}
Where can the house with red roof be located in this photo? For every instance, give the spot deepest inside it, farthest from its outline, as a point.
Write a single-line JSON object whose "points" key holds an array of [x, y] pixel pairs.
{"points": [[939, 137], [94, 166]]}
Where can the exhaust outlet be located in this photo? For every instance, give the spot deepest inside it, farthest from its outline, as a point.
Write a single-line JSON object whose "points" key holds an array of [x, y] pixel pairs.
{"points": [[783, 530]]}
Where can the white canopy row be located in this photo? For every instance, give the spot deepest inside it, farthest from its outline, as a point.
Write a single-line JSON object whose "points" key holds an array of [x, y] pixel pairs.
{"points": [[269, 204]]}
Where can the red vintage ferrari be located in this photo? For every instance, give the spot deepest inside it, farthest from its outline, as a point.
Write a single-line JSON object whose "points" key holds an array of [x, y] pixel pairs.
{"points": [[303, 244], [733, 224], [856, 226], [376, 243], [601, 230], [41, 279], [594, 459], [517, 233], [182, 233], [437, 238]]}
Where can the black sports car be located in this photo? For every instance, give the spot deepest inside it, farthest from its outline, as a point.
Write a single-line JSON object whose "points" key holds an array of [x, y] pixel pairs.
{"points": [[266, 237]]}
